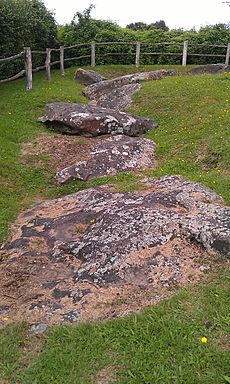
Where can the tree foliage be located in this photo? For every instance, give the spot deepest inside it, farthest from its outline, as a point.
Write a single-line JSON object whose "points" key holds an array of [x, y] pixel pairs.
{"points": [[83, 28], [29, 23], [25, 23], [139, 26]]}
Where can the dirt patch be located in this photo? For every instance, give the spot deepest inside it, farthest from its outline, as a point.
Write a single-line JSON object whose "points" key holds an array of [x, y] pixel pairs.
{"points": [[223, 342], [105, 376], [207, 158], [56, 151], [32, 348]]}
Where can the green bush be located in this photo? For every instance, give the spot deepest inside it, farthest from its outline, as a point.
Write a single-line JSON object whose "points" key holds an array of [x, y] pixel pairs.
{"points": [[24, 23]]}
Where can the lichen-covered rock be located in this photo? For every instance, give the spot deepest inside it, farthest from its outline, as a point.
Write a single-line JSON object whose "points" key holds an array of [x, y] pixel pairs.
{"points": [[98, 253], [87, 76], [110, 156], [209, 68], [118, 98], [98, 90], [81, 119]]}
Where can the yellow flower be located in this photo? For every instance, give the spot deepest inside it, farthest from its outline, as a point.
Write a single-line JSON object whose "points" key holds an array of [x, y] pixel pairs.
{"points": [[92, 221], [204, 340], [5, 318]]}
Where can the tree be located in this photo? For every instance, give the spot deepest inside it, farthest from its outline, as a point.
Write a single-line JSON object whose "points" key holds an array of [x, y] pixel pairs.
{"points": [[25, 23], [83, 28], [159, 25], [137, 26]]}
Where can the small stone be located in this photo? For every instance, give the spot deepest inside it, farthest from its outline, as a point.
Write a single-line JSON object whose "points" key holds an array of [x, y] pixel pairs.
{"points": [[204, 268], [71, 316], [208, 324], [38, 328], [4, 308]]}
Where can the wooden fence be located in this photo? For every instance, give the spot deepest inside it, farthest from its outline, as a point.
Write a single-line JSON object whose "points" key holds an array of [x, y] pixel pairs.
{"points": [[29, 70]]}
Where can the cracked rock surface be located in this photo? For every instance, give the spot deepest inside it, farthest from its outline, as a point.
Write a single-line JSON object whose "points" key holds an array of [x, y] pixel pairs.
{"points": [[209, 68], [118, 98], [97, 253], [81, 119], [110, 156], [116, 93]]}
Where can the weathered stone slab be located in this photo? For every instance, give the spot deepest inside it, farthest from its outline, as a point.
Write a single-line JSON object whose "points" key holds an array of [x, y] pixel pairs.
{"points": [[209, 68], [118, 98], [110, 156], [97, 253], [96, 91], [81, 119], [88, 76]]}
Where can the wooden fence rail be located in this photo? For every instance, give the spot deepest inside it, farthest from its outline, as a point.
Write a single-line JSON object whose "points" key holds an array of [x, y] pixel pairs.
{"points": [[29, 70]]}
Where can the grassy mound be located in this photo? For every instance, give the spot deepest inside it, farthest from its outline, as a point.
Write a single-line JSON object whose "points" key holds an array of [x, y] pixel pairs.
{"points": [[162, 345]]}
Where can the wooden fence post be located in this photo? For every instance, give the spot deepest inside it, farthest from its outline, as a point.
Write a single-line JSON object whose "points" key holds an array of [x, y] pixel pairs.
{"points": [[62, 53], [48, 60], [28, 68], [185, 53], [93, 54], [227, 55], [138, 50]]}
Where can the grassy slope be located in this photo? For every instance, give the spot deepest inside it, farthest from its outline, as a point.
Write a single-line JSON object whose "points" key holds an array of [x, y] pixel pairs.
{"points": [[194, 122], [161, 346]]}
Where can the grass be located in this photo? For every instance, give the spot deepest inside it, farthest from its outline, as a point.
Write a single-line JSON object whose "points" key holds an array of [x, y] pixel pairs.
{"points": [[193, 135], [163, 344]]}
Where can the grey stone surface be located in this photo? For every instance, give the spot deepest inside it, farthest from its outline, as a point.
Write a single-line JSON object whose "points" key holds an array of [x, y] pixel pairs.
{"points": [[37, 329], [110, 251], [97, 91], [88, 76], [209, 68], [110, 156], [83, 119], [118, 98]]}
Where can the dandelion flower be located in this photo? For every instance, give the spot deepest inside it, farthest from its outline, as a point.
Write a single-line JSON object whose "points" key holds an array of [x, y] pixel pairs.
{"points": [[204, 340]]}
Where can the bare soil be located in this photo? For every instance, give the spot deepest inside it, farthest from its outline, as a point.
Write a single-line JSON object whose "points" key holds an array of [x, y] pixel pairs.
{"points": [[56, 152]]}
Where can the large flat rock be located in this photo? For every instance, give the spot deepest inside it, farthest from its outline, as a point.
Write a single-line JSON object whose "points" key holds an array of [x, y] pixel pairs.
{"points": [[81, 119], [98, 253], [118, 98], [111, 156], [96, 92]]}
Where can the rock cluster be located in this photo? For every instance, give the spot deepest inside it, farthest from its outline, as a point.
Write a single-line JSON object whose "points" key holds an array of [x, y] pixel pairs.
{"points": [[99, 253]]}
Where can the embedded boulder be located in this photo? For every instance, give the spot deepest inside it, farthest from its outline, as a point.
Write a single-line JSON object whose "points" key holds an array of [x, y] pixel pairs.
{"points": [[88, 76], [209, 68], [96, 91], [99, 254], [118, 98], [81, 119], [110, 156]]}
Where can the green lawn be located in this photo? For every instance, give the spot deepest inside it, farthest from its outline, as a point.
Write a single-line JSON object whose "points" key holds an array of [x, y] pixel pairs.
{"points": [[163, 344]]}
